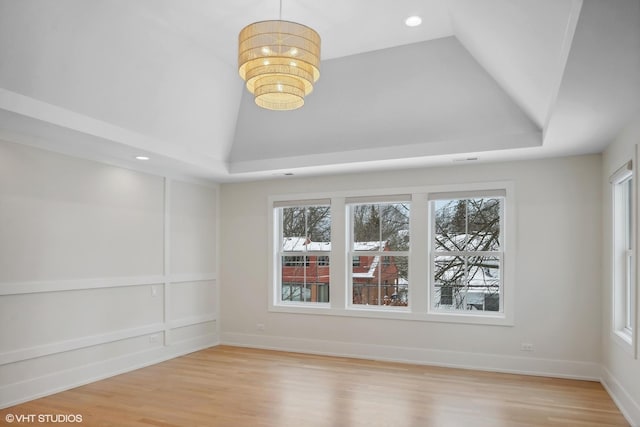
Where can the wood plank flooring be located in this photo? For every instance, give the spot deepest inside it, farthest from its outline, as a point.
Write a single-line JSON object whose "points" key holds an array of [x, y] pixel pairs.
{"points": [[238, 387]]}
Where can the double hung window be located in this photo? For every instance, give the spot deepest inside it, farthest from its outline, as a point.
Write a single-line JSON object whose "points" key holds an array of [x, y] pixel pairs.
{"points": [[623, 253], [379, 251], [304, 245], [435, 253], [466, 251]]}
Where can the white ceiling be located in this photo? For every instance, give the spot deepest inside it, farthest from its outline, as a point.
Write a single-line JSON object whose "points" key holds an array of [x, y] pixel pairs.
{"points": [[494, 79]]}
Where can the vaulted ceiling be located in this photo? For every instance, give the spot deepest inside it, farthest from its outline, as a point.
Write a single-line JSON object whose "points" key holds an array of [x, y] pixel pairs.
{"points": [[490, 79]]}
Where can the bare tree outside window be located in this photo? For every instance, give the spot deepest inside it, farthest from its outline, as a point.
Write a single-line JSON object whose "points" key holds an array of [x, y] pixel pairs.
{"points": [[305, 236], [311, 222], [380, 245], [467, 255]]}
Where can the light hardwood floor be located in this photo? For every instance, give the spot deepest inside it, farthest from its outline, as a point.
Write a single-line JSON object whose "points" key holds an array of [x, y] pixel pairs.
{"points": [[230, 386]]}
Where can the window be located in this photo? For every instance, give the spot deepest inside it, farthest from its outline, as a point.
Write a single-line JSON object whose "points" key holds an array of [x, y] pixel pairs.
{"points": [[366, 254], [379, 252], [623, 253], [466, 252], [304, 240]]}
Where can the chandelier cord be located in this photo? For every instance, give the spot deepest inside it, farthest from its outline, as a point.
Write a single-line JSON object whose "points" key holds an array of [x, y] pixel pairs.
{"points": [[280, 10]]}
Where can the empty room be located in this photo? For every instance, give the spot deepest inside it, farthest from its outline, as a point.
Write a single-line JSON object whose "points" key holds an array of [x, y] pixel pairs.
{"points": [[319, 213]]}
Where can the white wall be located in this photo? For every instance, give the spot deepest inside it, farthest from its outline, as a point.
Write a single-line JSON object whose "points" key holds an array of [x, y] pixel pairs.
{"points": [[557, 286], [621, 370], [102, 270]]}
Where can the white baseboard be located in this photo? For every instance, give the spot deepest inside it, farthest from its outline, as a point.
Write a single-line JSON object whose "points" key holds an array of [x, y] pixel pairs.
{"points": [[629, 407], [454, 359], [14, 394]]}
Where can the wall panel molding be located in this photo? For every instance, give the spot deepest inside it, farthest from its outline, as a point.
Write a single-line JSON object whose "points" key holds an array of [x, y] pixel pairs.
{"points": [[188, 278], [70, 231], [189, 321], [39, 286], [77, 343], [55, 382], [32, 287]]}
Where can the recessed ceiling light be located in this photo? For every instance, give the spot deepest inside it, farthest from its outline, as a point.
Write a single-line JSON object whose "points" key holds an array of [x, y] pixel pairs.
{"points": [[413, 21], [142, 158]]}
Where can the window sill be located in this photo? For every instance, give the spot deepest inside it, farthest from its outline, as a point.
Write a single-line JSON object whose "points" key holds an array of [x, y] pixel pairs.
{"points": [[394, 313], [493, 318], [624, 340], [302, 306]]}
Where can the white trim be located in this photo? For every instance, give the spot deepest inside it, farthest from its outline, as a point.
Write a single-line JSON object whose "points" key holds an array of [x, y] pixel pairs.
{"points": [[629, 407], [634, 297], [556, 368], [624, 340], [166, 262], [507, 232], [377, 255], [303, 202], [621, 259], [622, 173], [192, 278], [338, 270], [129, 358], [89, 341], [78, 343], [387, 192], [40, 286], [381, 199], [275, 257], [201, 169], [464, 194], [33, 287], [390, 312], [16, 393], [217, 291], [192, 320], [340, 304]]}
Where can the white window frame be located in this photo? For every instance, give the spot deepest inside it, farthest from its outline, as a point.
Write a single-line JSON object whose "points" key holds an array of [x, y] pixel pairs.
{"points": [[504, 315], [433, 254], [623, 257], [276, 295], [419, 271], [351, 253]]}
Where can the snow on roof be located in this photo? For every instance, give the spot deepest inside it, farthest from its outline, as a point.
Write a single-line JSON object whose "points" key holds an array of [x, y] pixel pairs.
{"points": [[368, 246], [372, 269], [301, 244]]}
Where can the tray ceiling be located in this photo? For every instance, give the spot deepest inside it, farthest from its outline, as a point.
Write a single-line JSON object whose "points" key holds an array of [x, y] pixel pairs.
{"points": [[494, 79]]}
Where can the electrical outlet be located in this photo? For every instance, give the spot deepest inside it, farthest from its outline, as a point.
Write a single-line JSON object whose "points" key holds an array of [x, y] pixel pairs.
{"points": [[260, 327], [526, 346], [154, 291], [154, 339]]}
